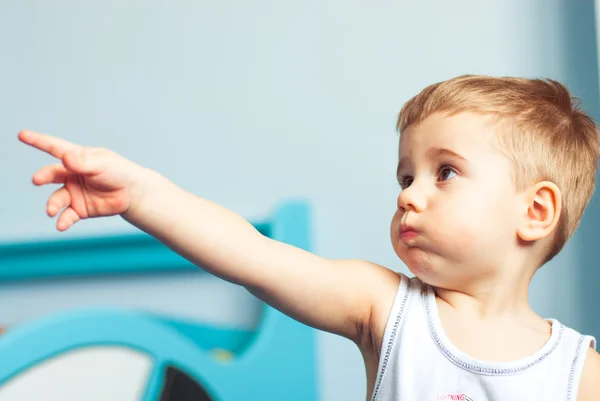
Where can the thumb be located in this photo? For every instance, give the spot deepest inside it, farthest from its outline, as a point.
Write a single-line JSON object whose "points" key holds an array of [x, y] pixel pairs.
{"points": [[82, 161]]}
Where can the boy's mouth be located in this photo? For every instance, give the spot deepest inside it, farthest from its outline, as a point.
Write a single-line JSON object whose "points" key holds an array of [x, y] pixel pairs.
{"points": [[407, 233]]}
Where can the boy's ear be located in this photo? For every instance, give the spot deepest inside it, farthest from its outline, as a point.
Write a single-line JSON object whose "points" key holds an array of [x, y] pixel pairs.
{"points": [[543, 209]]}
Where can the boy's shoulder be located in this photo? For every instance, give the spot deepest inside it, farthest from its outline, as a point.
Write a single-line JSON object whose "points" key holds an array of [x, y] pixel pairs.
{"points": [[589, 385]]}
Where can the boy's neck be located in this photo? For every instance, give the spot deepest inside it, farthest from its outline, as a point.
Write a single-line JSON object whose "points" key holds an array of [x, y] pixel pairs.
{"points": [[490, 300], [500, 295]]}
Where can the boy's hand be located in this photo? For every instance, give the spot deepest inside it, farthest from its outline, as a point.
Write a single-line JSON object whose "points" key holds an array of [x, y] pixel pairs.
{"points": [[96, 182]]}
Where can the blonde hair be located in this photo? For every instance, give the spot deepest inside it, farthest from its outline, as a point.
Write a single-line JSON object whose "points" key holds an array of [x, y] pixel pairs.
{"points": [[547, 135]]}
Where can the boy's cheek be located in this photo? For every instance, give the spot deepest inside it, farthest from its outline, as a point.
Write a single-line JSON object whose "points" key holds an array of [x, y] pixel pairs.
{"points": [[460, 233], [456, 222]]}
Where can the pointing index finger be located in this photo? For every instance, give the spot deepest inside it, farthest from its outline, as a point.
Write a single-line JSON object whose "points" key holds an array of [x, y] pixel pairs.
{"points": [[54, 146]]}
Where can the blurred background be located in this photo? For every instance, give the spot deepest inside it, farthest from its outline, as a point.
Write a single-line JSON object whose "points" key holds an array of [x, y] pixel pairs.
{"points": [[249, 103]]}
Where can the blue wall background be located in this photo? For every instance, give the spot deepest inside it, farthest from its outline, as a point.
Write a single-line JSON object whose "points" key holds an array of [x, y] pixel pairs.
{"points": [[582, 57], [251, 102]]}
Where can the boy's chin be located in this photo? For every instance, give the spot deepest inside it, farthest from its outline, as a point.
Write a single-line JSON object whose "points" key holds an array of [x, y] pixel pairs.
{"points": [[424, 272], [431, 274], [429, 267]]}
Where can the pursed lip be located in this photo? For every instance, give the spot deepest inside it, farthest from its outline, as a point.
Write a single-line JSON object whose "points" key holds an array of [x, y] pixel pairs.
{"points": [[408, 232]]}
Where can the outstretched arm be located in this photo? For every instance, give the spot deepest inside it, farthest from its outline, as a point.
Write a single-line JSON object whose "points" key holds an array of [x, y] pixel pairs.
{"points": [[332, 295], [337, 296]]}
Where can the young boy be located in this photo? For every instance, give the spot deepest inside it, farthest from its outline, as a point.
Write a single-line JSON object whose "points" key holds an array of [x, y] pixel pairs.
{"points": [[495, 175]]}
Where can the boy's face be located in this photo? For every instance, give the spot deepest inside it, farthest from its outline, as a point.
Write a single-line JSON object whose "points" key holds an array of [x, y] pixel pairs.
{"points": [[458, 202]]}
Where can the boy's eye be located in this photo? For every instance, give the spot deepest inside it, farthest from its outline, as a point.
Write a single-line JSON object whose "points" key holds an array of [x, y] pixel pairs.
{"points": [[405, 181], [445, 173]]}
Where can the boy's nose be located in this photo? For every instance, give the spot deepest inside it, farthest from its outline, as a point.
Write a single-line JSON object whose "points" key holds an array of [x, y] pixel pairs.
{"points": [[410, 199]]}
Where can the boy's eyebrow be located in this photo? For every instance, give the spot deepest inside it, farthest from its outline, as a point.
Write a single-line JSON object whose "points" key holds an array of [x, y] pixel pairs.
{"points": [[433, 153]]}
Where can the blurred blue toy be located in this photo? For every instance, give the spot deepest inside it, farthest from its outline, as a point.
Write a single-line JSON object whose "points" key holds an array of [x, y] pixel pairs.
{"points": [[86, 354]]}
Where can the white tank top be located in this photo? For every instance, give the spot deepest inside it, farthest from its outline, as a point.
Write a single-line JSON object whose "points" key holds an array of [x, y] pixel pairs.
{"points": [[418, 362]]}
